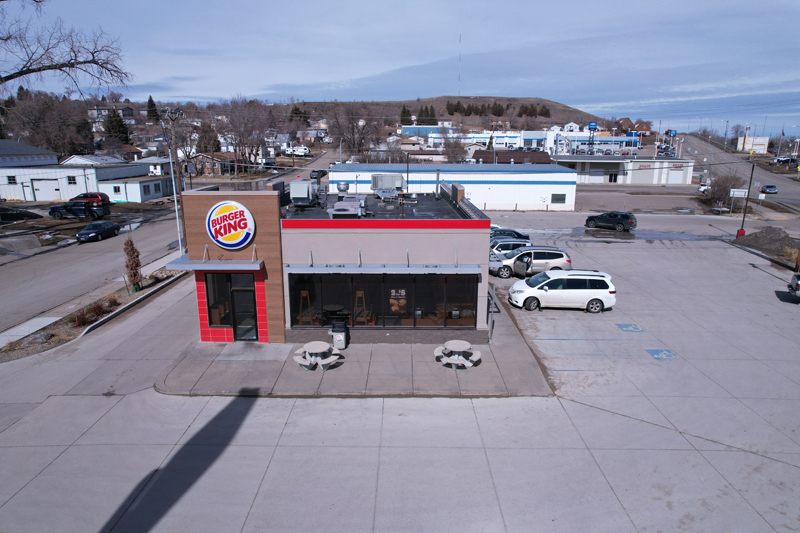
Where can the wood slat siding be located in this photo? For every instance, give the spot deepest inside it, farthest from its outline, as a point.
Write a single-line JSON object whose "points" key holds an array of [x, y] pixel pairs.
{"points": [[265, 208]]}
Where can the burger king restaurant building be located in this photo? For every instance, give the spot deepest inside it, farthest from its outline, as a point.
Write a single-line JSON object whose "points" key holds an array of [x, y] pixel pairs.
{"points": [[271, 273]]}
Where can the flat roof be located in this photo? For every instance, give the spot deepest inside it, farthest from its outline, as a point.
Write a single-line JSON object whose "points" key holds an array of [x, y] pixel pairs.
{"points": [[529, 168], [426, 207], [615, 158]]}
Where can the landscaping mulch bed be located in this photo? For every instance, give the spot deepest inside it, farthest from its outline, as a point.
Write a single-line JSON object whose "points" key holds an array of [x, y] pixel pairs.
{"points": [[71, 326]]}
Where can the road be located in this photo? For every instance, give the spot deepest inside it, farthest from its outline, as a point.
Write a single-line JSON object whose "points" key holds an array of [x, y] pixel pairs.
{"points": [[39, 283], [704, 153]]}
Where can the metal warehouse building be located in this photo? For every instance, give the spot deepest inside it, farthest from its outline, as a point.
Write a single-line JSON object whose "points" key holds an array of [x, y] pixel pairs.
{"points": [[492, 187], [628, 170]]}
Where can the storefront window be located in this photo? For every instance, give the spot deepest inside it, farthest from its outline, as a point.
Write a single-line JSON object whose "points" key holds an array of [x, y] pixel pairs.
{"points": [[218, 296], [429, 302], [461, 301], [337, 298], [384, 300], [305, 301], [398, 301], [367, 300]]}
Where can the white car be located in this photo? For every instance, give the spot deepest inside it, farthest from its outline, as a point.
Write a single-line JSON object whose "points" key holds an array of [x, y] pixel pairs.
{"points": [[580, 289]]}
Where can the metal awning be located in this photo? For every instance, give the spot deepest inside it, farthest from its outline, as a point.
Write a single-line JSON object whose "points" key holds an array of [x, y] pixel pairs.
{"points": [[382, 269], [215, 265]]}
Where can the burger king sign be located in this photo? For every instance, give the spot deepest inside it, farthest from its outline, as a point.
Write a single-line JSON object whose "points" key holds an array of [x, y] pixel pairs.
{"points": [[230, 225]]}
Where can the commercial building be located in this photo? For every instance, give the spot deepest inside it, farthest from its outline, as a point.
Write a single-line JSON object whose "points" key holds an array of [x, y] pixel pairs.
{"points": [[60, 182], [758, 145], [495, 187], [628, 170], [268, 273], [136, 189]]}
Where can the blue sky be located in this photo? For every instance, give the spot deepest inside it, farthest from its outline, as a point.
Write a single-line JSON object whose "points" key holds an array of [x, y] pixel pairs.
{"points": [[676, 62]]}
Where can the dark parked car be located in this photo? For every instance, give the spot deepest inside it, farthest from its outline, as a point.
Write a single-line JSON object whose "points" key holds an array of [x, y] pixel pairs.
{"points": [[769, 189], [97, 231], [616, 220], [79, 209], [505, 232], [9, 214], [317, 174], [95, 198]]}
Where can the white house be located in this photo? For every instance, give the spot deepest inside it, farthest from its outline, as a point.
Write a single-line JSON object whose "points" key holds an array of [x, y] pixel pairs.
{"points": [[159, 166], [136, 189], [571, 127]]}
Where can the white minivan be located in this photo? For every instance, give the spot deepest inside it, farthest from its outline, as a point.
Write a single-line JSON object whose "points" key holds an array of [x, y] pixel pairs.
{"points": [[581, 289]]}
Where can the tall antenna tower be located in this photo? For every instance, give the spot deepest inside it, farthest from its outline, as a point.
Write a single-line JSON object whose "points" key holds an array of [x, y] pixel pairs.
{"points": [[459, 64]]}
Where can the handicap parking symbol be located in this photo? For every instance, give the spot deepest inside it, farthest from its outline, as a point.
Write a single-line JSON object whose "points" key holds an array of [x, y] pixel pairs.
{"points": [[662, 355], [630, 328]]}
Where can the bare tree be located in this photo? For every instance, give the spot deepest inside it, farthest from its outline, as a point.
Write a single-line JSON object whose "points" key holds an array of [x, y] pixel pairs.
{"points": [[452, 146], [354, 124], [51, 122], [721, 186], [29, 49], [246, 127], [737, 130]]}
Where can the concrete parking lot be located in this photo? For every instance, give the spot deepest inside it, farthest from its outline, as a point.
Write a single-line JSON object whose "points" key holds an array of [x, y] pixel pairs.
{"points": [[674, 411]]}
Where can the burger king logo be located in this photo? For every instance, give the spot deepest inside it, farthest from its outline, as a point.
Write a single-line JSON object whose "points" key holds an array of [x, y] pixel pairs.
{"points": [[230, 225]]}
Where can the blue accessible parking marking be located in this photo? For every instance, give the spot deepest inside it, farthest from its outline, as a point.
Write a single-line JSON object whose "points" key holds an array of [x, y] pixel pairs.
{"points": [[630, 328], [662, 355]]}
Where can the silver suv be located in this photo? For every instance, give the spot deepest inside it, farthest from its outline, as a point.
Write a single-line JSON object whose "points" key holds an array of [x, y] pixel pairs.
{"points": [[539, 260], [502, 265], [501, 245]]}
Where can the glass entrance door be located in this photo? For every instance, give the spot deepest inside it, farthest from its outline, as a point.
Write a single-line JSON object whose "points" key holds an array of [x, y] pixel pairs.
{"points": [[245, 327]]}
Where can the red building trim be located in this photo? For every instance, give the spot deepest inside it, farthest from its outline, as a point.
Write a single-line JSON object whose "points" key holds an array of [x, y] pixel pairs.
{"points": [[385, 224], [223, 334]]}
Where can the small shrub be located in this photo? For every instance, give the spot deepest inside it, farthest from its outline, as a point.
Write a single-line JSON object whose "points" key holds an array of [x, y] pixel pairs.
{"points": [[791, 253], [97, 308], [81, 318], [112, 301], [71, 319]]}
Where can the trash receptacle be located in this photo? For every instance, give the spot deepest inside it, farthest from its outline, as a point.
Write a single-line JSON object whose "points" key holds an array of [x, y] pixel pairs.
{"points": [[340, 334]]}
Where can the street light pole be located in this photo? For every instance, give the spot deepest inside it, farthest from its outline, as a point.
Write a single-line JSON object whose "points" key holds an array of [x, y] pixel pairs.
{"points": [[175, 188], [740, 233]]}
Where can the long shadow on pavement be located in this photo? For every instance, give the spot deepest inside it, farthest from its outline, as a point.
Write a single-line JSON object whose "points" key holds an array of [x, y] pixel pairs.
{"points": [[162, 488]]}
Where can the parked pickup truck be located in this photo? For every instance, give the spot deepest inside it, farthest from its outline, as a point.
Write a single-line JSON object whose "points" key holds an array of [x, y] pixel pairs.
{"points": [[794, 285]]}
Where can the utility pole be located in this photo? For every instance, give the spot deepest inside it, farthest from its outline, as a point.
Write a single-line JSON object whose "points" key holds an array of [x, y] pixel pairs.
{"points": [[740, 233], [177, 185], [726, 133]]}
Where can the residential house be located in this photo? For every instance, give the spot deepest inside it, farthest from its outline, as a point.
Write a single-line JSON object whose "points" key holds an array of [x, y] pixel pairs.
{"points": [[92, 160], [624, 125], [217, 163], [571, 127], [159, 166], [642, 127]]}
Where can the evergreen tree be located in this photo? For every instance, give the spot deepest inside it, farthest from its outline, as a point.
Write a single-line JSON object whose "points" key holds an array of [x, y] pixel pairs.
{"points": [[482, 110], [23, 93], [458, 108], [300, 115], [544, 112], [405, 116], [152, 110], [432, 120], [532, 111], [116, 128], [450, 108], [207, 140], [522, 111]]}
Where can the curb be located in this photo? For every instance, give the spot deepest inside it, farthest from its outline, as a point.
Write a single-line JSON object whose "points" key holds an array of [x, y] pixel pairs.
{"points": [[127, 306], [761, 255]]}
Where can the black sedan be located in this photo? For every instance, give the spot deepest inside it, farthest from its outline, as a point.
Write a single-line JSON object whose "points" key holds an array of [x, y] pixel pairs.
{"points": [[97, 231], [79, 210], [505, 232], [616, 220]]}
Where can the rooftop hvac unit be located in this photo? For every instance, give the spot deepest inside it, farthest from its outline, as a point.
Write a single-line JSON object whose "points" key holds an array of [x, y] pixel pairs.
{"points": [[346, 210], [388, 181]]}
